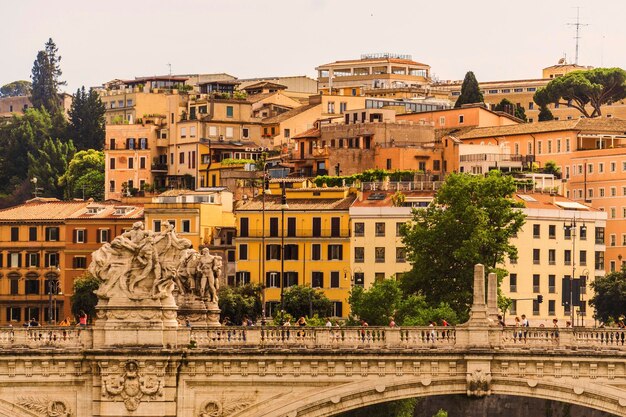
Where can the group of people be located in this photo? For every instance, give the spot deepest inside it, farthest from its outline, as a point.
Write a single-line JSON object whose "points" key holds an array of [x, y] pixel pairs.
{"points": [[82, 321]]}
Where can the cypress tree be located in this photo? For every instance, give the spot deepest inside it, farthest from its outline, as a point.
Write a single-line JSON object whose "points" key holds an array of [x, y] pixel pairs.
{"points": [[470, 91], [87, 120], [45, 75]]}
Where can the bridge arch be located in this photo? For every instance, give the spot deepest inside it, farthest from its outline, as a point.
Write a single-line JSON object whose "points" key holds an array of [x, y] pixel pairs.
{"points": [[334, 400]]}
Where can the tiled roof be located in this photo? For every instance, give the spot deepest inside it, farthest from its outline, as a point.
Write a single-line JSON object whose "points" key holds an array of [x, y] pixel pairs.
{"points": [[61, 210], [547, 201], [311, 133], [176, 193], [273, 203], [386, 202], [266, 84], [289, 180], [611, 125], [289, 114]]}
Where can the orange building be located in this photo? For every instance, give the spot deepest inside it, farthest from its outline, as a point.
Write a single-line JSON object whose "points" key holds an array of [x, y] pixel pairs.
{"points": [[472, 115], [45, 244]]}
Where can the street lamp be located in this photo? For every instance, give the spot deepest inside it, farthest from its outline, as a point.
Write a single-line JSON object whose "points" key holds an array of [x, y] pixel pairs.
{"points": [[264, 190], [572, 227], [54, 286], [283, 207]]}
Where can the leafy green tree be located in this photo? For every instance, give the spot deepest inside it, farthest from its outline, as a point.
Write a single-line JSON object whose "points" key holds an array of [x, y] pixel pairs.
{"points": [[46, 75], [16, 88], [545, 114], [551, 167], [84, 177], [49, 163], [470, 91], [441, 413], [399, 408], [236, 302], [609, 299], [84, 297], [300, 300], [513, 109], [385, 299], [86, 126], [595, 88], [471, 220]]}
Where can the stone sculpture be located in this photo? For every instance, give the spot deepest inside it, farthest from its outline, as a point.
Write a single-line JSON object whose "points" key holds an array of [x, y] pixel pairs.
{"points": [[131, 386], [45, 406]]}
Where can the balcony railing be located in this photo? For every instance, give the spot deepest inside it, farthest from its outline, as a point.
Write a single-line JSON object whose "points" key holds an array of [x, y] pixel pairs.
{"points": [[300, 233], [401, 186], [159, 167]]}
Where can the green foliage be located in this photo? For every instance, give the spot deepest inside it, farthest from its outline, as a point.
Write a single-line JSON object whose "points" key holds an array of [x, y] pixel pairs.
{"points": [[85, 173], [299, 300], [371, 175], [609, 299], [233, 161], [87, 120], [513, 109], [471, 220], [545, 114], [550, 167], [385, 299], [470, 91], [236, 302], [240, 95], [45, 75], [16, 88], [398, 408], [48, 164], [441, 413], [84, 297], [594, 87]]}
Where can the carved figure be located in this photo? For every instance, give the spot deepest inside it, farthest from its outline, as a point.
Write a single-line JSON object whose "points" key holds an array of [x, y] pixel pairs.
{"points": [[131, 386], [45, 406], [478, 384], [223, 407]]}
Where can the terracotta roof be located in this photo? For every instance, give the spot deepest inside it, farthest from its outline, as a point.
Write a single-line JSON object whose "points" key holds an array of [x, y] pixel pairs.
{"points": [[612, 125], [391, 60], [258, 97], [266, 84], [289, 114], [311, 133], [289, 180], [176, 193], [273, 203], [61, 210], [547, 201]]}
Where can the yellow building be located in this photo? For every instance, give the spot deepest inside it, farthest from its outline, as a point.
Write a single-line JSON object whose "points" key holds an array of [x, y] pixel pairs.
{"points": [[550, 252], [205, 217], [315, 225]]}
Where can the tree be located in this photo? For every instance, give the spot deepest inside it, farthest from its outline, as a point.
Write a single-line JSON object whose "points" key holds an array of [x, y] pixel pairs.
{"points": [[236, 302], [49, 163], [385, 299], [84, 297], [470, 221], [579, 89], [470, 91], [16, 88], [398, 408], [545, 114], [551, 167], [515, 110], [300, 301], [45, 75], [87, 120], [609, 299], [84, 177]]}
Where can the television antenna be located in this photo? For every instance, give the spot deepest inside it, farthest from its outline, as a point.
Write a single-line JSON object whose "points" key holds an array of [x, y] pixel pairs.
{"points": [[577, 37]]}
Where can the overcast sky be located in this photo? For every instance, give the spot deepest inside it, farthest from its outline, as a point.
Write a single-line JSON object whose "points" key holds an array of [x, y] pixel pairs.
{"points": [[498, 40]]}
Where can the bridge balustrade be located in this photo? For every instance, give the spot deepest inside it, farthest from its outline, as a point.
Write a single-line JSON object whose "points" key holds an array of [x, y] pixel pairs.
{"points": [[54, 337], [600, 337]]}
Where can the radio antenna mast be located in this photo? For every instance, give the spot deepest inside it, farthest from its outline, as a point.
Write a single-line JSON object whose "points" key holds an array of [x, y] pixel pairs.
{"points": [[577, 37]]}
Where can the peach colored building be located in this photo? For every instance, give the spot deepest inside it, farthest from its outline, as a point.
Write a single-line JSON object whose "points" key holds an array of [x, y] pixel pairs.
{"points": [[473, 115]]}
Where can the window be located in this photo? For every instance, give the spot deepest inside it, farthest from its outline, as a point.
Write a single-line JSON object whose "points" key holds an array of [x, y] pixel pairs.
{"points": [[317, 227], [183, 132], [399, 229], [601, 167], [32, 286], [551, 306], [613, 191], [316, 252], [52, 234], [359, 279], [552, 256], [335, 252], [601, 192], [52, 259], [32, 260], [461, 119], [230, 131], [32, 234], [15, 234], [291, 252], [273, 226], [14, 313], [536, 231], [536, 256], [14, 260], [583, 232], [230, 255], [317, 279], [539, 147], [513, 307], [590, 168], [229, 111], [400, 255], [379, 254], [331, 107], [80, 235], [536, 280], [582, 258], [131, 163], [245, 132], [243, 252], [79, 262], [337, 309], [271, 279], [612, 240], [531, 105], [272, 252], [552, 284], [142, 162], [380, 229], [599, 235], [359, 229], [552, 231], [334, 279], [156, 225], [359, 254], [567, 257], [243, 227], [535, 308], [335, 226], [112, 163], [186, 226]]}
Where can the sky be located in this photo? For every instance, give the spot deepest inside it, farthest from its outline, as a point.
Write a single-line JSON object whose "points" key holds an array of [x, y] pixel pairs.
{"points": [[498, 40]]}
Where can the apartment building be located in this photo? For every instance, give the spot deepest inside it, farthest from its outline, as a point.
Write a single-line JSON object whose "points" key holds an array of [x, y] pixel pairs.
{"points": [[561, 246], [45, 244], [315, 227], [471, 115], [17, 105]]}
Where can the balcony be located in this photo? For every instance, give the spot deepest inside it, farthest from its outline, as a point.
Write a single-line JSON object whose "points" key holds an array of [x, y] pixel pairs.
{"points": [[158, 167], [300, 233]]}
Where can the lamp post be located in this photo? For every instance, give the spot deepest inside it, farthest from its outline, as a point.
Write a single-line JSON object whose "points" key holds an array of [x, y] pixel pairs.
{"points": [[283, 207], [265, 179], [54, 286], [572, 227]]}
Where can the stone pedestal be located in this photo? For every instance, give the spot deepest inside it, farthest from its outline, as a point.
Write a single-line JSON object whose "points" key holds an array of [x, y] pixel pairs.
{"points": [[197, 311]]}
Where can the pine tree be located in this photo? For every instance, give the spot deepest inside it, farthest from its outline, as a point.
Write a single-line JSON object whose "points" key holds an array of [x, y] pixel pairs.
{"points": [[49, 163], [87, 120], [545, 114], [515, 110], [45, 75], [470, 91]]}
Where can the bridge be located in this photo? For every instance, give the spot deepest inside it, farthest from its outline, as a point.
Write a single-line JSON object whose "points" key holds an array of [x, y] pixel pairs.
{"points": [[140, 362]]}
